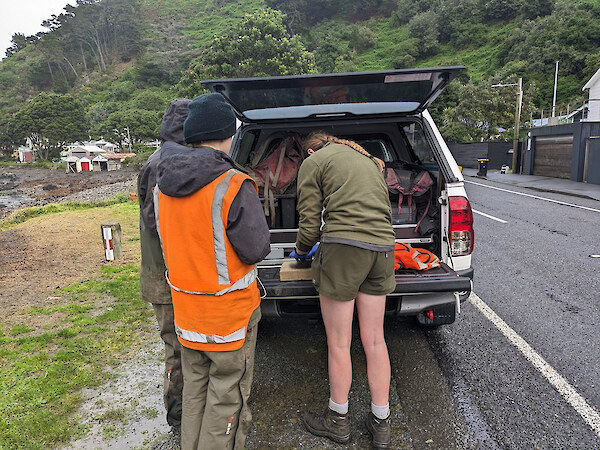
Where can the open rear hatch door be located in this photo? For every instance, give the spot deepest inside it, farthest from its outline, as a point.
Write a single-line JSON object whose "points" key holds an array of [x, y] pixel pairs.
{"points": [[364, 94]]}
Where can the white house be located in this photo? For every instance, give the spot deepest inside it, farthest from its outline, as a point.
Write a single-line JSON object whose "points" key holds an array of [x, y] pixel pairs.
{"points": [[104, 145], [80, 151], [594, 97]]}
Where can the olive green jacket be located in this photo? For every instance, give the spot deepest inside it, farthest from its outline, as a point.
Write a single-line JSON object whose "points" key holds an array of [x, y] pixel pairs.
{"points": [[343, 198]]}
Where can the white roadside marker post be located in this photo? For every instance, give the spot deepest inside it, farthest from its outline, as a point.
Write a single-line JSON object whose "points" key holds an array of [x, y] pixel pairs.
{"points": [[111, 236]]}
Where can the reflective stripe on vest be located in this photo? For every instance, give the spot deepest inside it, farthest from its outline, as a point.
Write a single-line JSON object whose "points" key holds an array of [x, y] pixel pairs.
{"points": [[219, 228], [194, 336], [242, 283]]}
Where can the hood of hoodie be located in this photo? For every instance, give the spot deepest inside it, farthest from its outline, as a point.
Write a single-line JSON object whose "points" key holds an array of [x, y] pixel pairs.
{"points": [[184, 170], [172, 136], [171, 128]]}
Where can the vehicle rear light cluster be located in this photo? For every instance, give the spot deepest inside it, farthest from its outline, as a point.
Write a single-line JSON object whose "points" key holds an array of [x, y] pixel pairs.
{"points": [[461, 226]]}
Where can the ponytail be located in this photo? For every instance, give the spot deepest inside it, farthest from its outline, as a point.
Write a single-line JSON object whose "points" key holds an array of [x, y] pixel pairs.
{"points": [[316, 141]]}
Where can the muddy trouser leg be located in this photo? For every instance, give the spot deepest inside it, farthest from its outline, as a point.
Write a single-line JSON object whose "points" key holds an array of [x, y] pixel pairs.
{"points": [[226, 418], [196, 367], [173, 377]]}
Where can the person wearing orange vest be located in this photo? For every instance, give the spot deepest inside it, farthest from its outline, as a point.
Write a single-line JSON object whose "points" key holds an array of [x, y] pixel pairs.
{"points": [[213, 231]]}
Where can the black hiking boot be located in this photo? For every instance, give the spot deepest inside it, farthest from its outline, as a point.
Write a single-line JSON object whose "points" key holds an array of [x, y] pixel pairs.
{"points": [[330, 424], [380, 430]]}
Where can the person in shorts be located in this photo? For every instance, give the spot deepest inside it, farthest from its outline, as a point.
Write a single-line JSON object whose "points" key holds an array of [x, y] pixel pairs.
{"points": [[343, 203]]}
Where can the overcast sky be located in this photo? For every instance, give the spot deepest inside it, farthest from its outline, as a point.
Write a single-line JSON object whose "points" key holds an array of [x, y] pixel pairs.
{"points": [[25, 16]]}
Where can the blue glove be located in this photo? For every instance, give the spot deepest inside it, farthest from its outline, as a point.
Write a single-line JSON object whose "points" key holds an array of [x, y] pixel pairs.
{"points": [[307, 256]]}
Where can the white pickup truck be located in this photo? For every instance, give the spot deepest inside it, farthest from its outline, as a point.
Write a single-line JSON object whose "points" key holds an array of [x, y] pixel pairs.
{"points": [[385, 112]]}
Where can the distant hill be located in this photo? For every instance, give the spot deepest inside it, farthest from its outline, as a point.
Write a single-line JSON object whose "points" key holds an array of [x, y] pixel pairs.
{"points": [[124, 60]]}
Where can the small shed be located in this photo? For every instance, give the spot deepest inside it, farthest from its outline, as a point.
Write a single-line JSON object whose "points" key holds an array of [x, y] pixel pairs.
{"points": [[594, 97], [25, 155], [86, 164], [71, 164], [115, 159], [99, 164]]}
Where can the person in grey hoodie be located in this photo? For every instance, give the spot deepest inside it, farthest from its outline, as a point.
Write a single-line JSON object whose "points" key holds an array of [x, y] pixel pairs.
{"points": [[153, 285], [213, 231]]}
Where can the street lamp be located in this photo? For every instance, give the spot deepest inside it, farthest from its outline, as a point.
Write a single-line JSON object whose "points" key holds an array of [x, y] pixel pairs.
{"points": [[517, 118]]}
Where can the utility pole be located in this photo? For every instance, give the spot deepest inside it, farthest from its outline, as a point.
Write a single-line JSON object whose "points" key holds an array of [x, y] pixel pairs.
{"points": [[554, 96], [515, 159]]}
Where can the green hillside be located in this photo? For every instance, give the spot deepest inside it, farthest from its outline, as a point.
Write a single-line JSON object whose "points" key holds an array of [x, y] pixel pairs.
{"points": [[117, 63]]}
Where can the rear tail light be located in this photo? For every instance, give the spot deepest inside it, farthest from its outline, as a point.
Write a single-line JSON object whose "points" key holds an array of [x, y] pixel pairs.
{"points": [[461, 226]]}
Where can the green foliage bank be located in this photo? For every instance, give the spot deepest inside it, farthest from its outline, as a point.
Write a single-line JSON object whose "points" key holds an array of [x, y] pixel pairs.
{"points": [[123, 60]]}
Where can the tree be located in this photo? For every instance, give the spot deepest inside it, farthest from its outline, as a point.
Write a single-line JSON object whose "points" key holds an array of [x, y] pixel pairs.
{"points": [[303, 14], [258, 46], [138, 125], [479, 111], [531, 9], [500, 9], [10, 137], [407, 9], [51, 121], [19, 42], [425, 28]]}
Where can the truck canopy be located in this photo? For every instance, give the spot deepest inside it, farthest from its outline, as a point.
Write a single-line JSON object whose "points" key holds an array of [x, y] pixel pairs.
{"points": [[364, 94]]}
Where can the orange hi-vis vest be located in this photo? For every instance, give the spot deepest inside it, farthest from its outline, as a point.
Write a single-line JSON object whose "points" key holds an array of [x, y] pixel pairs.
{"points": [[214, 293]]}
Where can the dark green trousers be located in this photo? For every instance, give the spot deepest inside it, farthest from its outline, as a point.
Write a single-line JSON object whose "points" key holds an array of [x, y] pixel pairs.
{"points": [[173, 377]]}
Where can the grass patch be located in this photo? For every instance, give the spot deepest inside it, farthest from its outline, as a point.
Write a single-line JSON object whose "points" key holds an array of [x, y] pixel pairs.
{"points": [[25, 214], [43, 371], [40, 164]]}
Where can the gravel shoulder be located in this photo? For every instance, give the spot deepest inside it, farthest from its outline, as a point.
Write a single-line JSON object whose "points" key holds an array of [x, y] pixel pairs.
{"points": [[23, 186]]}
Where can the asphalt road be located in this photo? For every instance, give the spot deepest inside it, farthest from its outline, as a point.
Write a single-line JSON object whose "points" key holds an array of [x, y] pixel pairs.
{"points": [[534, 272], [468, 385]]}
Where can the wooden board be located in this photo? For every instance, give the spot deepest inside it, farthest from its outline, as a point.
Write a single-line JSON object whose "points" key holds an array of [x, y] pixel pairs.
{"points": [[292, 271]]}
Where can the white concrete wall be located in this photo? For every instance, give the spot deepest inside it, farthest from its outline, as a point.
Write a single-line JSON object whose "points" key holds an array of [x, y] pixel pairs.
{"points": [[594, 104]]}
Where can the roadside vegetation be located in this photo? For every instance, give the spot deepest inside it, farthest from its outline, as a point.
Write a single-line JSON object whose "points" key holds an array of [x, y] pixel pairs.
{"points": [[114, 65], [25, 214], [67, 342], [41, 164]]}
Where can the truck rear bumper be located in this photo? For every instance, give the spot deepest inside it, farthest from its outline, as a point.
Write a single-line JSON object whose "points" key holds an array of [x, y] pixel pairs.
{"points": [[415, 292]]}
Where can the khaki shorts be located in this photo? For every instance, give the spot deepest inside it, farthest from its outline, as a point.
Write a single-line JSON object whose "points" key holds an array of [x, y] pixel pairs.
{"points": [[341, 271]]}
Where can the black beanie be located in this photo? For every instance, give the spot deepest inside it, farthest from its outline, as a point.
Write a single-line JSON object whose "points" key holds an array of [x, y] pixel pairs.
{"points": [[210, 119]]}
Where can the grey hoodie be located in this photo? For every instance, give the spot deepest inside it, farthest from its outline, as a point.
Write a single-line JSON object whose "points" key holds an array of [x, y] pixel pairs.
{"points": [[153, 286], [183, 171]]}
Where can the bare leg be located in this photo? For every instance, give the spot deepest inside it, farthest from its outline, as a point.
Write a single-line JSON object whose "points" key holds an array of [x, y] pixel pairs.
{"points": [[371, 311], [337, 317]]}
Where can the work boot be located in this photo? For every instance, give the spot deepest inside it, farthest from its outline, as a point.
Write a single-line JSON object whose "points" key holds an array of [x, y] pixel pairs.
{"points": [[380, 430], [330, 424]]}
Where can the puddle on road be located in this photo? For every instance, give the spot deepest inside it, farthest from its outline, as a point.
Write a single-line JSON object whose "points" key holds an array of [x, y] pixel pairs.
{"points": [[14, 200], [128, 411]]}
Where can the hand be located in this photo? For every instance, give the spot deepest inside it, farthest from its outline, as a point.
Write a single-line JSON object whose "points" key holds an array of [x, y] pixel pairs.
{"points": [[304, 256]]}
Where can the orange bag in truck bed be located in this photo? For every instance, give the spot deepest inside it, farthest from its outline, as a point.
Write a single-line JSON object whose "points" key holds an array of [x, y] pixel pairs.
{"points": [[406, 257]]}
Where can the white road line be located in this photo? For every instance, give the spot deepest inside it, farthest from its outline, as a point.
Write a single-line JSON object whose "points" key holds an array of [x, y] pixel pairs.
{"points": [[534, 196], [568, 392], [488, 216]]}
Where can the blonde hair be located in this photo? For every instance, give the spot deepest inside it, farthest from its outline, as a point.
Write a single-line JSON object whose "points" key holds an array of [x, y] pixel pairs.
{"points": [[319, 139]]}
